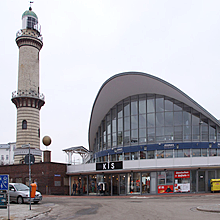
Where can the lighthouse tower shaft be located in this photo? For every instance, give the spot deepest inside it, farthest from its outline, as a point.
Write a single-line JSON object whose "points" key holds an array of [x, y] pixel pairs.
{"points": [[28, 99]]}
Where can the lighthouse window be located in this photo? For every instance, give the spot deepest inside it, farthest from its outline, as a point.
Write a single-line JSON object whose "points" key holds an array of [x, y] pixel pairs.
{"points": [[24, 124], [31, 22]]}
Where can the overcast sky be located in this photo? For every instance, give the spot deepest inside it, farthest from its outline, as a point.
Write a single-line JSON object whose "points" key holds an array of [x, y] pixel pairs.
{"points": [[88, 41]]}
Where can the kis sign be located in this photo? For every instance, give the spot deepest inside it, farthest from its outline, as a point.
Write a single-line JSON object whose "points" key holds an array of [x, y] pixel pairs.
{"points": [[109, 166]]}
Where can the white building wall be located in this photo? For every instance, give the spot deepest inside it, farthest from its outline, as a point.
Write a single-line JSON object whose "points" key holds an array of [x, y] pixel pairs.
{"points": [[7, 153]]}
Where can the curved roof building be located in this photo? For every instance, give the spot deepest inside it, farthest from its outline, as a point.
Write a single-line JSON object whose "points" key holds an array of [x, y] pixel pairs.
{"points": [[148, 136]]}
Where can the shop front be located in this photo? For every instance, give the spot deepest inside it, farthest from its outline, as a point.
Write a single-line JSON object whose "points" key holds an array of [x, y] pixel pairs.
{"points": [[143, 183]]}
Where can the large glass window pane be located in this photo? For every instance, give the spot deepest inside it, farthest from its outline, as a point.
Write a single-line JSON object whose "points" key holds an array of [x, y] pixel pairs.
{"points": [[160, 154], [178, 120], [168, 105], [212, 152], [120, 124], [150, 104], [114, 125], [109, 141], [169, 177], [178, 133], [151, 135], [196, 152], [168, 133], [168, 153], [151, 154], [212, 133], [142, 121], [120, 110], [127, 123], [195, 133], [127, 156], [126, 109], [204, 152], [195, 120], [134, 122], [159, 134], [126, 137], [161, 178], [134, 155], [142, 106], [186, 152], [151, 120], [108, 124], [134, 109], [205, 135], [178, 107], [168, 118], [186, 133], [178, 153], [134, 136], [159, 119], [159, 104], [186, 118], [143, 154], [142, 135]]}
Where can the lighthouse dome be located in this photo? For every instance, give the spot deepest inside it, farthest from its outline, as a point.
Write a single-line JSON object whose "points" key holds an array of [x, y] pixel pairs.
{"points": [[29, 13], [30, 20]]}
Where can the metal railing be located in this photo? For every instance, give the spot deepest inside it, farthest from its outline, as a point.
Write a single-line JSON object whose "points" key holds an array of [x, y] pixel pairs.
{"points": [[25, 33], [26, 93]]}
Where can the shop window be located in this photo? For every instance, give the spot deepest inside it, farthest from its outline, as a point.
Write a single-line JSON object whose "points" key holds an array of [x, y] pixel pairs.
{"points": [[134, 155], [160, 154], [182, 181], [212, 152], [24, 124], [204, 152], [133, 183], [145, 179], [186, 152], [151, 154], [196, 152], [168, 153], [126, 156], [143, 154], [165, 182], [178, 153]]}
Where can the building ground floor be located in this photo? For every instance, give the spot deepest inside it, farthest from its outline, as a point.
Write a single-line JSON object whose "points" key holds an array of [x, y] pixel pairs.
{"points": [[143, 182]]}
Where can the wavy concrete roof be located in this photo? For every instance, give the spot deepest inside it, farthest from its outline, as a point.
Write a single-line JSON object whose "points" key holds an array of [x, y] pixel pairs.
{"points": [[123, 85]]}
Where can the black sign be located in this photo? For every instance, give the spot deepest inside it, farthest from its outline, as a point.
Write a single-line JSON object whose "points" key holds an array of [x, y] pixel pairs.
{"points": [[109, 166], [32, 159]]}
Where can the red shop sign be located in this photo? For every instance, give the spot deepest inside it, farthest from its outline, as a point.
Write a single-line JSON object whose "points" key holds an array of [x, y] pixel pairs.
{"points": [[182, 174]]}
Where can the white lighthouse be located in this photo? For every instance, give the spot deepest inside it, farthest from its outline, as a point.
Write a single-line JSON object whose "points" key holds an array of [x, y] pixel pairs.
{"points": [[28, 99]]}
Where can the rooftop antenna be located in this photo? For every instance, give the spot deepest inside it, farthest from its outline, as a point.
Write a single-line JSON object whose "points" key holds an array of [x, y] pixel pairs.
{"points": [[31, 2]]}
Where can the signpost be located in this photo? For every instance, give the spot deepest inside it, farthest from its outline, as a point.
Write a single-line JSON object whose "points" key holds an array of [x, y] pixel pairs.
{"points": [[4, 186], [29, 159]]}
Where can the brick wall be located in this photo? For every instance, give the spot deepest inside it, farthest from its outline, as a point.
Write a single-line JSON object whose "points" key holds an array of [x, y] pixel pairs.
{"points": [[49, 176]]}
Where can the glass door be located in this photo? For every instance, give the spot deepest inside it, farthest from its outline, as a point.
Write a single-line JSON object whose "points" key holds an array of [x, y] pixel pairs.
{"points": [[145, 179], [115, 184], [122, 184], [201, 181]]}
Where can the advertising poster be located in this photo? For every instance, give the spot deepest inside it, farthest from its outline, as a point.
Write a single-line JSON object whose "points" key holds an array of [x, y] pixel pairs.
{"points": [[182, 181], [165, 189]]}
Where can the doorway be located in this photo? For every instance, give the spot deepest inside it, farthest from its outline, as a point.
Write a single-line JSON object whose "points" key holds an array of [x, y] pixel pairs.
{"points": [[115, 184]]}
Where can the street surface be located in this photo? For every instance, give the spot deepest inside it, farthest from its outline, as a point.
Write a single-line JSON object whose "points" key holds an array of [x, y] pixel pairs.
{"points": [[148, 208]]}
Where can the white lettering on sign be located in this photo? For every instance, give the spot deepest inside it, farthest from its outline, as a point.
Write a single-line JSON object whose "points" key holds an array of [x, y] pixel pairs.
{"points": [[104, 166], [112, 166]]}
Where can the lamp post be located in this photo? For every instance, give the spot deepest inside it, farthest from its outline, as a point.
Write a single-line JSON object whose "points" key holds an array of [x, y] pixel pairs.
{"points": [[29, 164]]}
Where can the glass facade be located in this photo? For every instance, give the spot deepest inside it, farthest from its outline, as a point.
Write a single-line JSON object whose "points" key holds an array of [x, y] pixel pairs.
{"points": [[152, 119]]}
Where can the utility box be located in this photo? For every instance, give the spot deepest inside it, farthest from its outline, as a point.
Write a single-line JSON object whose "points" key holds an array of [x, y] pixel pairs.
{"points": [[215, 185], [3, 200], [33, 189]]}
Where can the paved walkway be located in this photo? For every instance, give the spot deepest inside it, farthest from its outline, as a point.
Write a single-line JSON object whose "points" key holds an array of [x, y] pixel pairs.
{"points": [[23, 211]]}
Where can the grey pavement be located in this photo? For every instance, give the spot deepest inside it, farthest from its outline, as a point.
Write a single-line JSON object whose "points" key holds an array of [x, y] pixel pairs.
{"points": [[37, 210], [22, 211]]}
